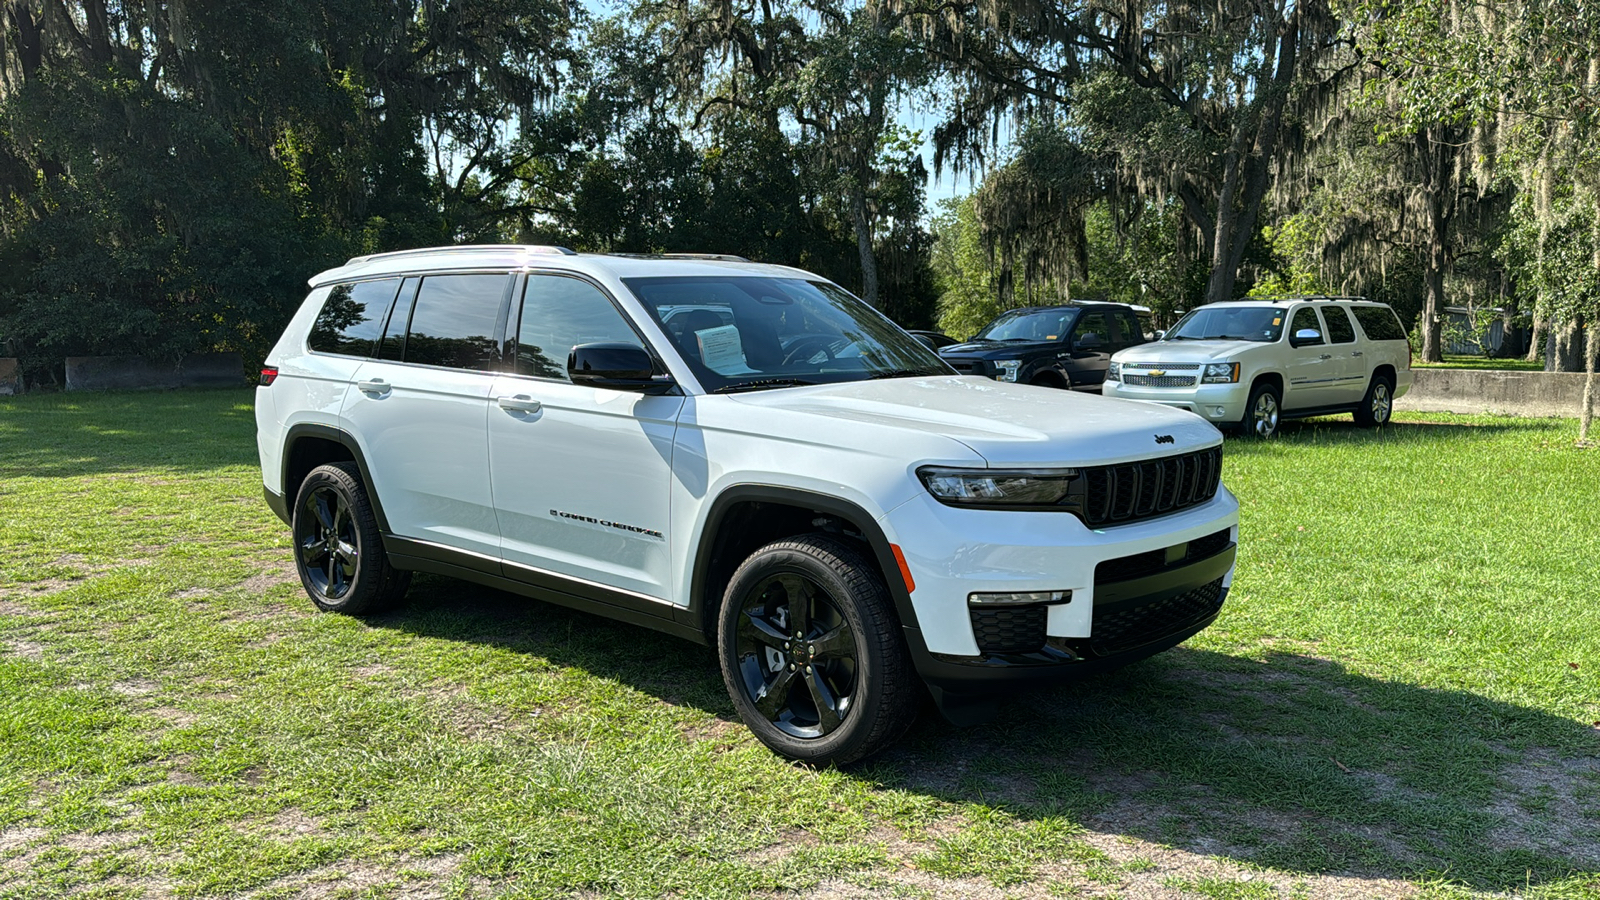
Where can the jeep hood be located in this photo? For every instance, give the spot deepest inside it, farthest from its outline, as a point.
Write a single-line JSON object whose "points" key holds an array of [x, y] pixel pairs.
{"points": [[995, 349], [1187, 351], [1009, 425]]}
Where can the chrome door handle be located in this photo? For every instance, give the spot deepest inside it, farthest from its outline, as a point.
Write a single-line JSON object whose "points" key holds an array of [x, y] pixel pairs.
{"points": [[1326, 356], [1356, 353], [519, 403], [374, 386]]}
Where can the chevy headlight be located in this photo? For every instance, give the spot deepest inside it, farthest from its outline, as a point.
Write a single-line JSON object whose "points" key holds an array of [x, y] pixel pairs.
{"points": [[1114, 371], [997, 487], [1008, 369], [1220, 373]]}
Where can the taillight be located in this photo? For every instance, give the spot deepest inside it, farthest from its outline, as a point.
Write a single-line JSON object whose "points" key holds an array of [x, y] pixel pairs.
{"points": [[269, 374]]}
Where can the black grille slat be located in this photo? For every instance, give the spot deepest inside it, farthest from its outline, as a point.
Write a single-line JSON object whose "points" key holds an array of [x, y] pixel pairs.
{"points": [[1153, 562], [1009, 629], [1124, 629], [1129, 492]]}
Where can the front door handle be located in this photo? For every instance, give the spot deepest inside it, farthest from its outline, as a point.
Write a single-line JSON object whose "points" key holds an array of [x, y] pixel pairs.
{"points": [[520, 403], [1356, 353], [374, 386], [1326, 356]]}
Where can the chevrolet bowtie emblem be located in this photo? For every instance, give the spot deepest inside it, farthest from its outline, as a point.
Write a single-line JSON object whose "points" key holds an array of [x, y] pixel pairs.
{"points": [[1157, 373]]}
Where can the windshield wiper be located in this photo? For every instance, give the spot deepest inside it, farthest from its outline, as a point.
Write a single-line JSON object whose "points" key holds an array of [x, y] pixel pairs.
{"points": [[761, 384], [902, 373]]}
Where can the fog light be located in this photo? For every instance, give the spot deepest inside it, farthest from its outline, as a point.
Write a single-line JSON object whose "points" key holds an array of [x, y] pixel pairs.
{"points": [[1020, 598], [1217, 412]]}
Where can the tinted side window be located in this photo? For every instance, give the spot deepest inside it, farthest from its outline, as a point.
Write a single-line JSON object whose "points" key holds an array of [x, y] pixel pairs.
{"points": [[1340, 330], [352, 317], [1096, 324], [558, 313], [1379, 323], [1305, 317], [454, 320]]}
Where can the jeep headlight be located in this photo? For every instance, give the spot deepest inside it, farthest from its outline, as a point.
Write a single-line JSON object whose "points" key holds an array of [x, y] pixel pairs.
{"points": [[1008, 369], [997, 487], [1220, 373], [1114, 371]]}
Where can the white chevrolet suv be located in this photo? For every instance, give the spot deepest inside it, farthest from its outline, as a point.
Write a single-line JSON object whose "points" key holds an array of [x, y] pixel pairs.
{"points": [[743, 455], [1250, 364]]}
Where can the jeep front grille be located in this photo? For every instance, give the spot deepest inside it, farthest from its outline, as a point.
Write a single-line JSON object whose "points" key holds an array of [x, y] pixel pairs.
{"points": [[1117, 630], [1131, 492]]}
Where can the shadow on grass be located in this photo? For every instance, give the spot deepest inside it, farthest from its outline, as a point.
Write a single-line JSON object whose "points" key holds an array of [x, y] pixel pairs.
{"points": [[70, 435], [1288, 761]]}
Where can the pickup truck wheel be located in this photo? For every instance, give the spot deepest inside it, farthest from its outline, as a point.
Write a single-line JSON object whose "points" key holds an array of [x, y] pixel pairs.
{"points": [[811, 652], [1377, 405], [338, 547], [1261, 412]]}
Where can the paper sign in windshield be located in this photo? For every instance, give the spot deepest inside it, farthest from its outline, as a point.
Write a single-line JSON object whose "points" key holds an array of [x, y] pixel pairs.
{"points": [[721, 349]]}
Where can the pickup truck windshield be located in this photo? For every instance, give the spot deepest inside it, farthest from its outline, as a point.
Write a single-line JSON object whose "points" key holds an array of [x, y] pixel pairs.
{"points": [[1033, 325], [1233, 323], [754, 333]]}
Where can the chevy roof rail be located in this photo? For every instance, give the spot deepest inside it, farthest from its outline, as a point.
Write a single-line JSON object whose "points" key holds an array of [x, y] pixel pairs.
{"points": [[1312, 297], [536, 249]]}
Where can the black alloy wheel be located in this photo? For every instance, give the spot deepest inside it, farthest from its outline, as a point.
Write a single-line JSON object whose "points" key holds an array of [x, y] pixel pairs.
{"points": [[812, 653], [796, 655], [330, 550], [338, 547]]}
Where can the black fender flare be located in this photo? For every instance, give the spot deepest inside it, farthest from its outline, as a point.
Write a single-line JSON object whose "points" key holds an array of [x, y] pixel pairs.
{"points": [[852, 514], [337, 436]]}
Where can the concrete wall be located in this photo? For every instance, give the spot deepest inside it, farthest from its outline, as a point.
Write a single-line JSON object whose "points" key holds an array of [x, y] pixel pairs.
{"points": [[102, 373], [10, 376], [1504, 393]]}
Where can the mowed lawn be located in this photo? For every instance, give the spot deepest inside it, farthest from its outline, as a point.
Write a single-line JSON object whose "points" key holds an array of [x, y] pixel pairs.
{"points": [[1401, 698]]}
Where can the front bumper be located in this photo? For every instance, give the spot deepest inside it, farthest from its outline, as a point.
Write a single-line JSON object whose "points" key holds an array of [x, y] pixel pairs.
{"points": [[1219, 404], [1136, 589]]}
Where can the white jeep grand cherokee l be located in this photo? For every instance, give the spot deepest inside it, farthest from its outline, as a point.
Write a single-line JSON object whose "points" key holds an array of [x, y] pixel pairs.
{"points": [[744, 455], [1238, 364]]}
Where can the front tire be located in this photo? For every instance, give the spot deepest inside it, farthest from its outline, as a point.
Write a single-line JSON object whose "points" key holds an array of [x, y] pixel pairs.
{"points": [[1262, 412], [811, 652], [338, 547], [1378, 405]]}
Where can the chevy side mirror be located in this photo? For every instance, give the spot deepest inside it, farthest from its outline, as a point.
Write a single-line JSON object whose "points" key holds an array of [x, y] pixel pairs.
{"points": [[1306, 336], [623, 367]]}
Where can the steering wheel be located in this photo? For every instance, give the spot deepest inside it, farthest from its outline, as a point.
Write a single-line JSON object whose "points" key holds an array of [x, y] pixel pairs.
{"points": [[807, 347]]}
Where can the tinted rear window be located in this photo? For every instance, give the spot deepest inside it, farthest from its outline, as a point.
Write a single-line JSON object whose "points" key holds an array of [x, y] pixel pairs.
{"points": [[1339, 330], [1379, 323], [352, 317]]}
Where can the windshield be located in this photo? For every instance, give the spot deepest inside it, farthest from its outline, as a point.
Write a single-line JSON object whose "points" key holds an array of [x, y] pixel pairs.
{"points": [[740, 333], [1029, 325], [1237, 323]]}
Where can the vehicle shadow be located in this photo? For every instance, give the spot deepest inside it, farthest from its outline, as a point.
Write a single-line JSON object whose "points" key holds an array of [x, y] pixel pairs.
{"points": [[1280, 759]]}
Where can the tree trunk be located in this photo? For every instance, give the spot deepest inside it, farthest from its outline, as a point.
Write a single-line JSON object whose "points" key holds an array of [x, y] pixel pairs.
{"points": [[1433, 303], [863, 228], [1586, 416], [1569, 346], [1536, 333]]}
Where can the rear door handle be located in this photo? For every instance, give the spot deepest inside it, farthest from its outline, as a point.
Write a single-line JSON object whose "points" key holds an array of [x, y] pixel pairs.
{"points": [[520, 403], [1326, 356], [374, 386], [1356, 353]]}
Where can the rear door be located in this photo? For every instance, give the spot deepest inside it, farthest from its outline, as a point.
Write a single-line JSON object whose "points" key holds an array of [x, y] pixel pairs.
{"points": [[581, 474], [1349, 365], [1094, 339], [420, 409]]}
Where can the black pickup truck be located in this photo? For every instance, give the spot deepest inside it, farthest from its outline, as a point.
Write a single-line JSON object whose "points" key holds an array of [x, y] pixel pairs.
{"points": [[1066, 346]]}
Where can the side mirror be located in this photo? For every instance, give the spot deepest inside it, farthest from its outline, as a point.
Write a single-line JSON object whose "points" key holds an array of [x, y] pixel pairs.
{"points": [[1159, 335], [1090, 341], [623, 367], [1306, 336]]}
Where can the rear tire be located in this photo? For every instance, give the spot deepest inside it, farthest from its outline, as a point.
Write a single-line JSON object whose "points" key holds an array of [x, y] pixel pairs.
{"points": [[811, 652], [338, 547], [1378, 405]]}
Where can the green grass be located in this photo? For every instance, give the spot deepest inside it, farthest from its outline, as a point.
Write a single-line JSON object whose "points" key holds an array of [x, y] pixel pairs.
{"points": [[1482, 362], [1402, 693]]}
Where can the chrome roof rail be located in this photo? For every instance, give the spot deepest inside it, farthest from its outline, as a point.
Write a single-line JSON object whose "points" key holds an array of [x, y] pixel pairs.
{"points": [[531, 249]]}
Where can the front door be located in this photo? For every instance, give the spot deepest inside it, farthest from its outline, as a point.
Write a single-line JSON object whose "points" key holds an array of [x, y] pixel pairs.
{"points": [[581, 474], [1311, 373], [1093, 341]]}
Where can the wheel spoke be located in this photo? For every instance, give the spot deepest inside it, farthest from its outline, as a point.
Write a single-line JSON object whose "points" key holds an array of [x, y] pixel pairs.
{"points": [[758, 629], [799, 599], [321, 511], [346, 552], [333, 572], [834, 643], [828, 712], [775, 696], [313, 547]]}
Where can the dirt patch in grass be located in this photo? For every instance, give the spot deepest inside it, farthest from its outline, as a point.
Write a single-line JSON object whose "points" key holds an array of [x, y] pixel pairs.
{"points": [[24, 649], [264, 581], [1542, 807]]}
